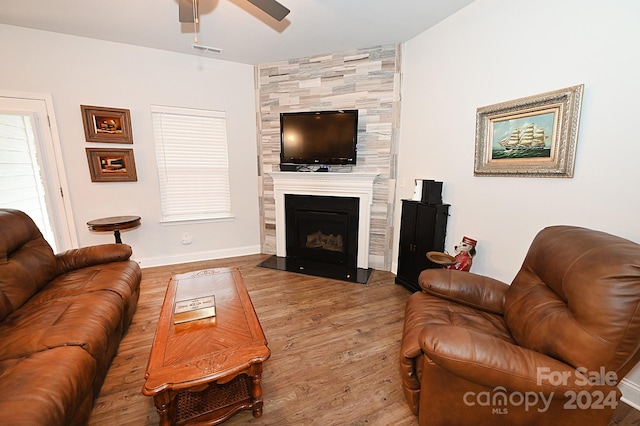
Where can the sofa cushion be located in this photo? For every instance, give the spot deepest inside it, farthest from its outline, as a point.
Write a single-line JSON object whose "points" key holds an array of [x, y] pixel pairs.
{"points": [[425, 313], [27, 261], [90, 321], [35, 393], [423, 310], [121, 278], [93, 321]]}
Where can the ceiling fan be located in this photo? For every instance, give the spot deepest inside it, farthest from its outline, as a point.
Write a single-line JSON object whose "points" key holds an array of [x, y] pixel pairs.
{"points": [[272, 8], [188, 9]]}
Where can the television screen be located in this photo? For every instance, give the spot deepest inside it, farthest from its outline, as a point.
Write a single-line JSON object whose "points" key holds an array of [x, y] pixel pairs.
{"points": [[318, 137]]}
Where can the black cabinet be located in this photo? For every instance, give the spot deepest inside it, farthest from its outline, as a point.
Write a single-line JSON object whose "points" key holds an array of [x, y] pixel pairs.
{"points": [[422, 229]]}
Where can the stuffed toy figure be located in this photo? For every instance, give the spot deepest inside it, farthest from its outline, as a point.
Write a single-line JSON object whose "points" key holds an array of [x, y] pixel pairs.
{"points": [[464, 255]]}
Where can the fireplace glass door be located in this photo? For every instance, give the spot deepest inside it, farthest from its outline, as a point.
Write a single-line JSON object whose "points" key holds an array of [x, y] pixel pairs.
{"points": [[322, 228]]}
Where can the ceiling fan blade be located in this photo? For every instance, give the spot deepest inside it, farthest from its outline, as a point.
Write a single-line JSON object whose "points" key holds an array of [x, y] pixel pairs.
{"points": [[186, 12], [271, 7]]}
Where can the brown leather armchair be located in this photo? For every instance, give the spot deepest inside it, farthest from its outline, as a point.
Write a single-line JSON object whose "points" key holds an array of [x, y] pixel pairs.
{"points": [[548, 349]]}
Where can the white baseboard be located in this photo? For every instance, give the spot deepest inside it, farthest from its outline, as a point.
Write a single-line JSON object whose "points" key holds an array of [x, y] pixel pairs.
{"points": [[196, 257], [630, 393]]}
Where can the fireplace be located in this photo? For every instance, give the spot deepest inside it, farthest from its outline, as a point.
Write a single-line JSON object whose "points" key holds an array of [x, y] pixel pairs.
{"points": [[351, 195], [322, 229]]}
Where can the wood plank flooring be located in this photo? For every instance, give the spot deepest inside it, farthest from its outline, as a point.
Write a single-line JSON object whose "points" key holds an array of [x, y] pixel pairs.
{"points": [[334, 350]]}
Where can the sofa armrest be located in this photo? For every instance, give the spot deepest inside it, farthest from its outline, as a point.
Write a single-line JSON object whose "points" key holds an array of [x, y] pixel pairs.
{"points": [[93, 255], [467, 288], [493, 362]]}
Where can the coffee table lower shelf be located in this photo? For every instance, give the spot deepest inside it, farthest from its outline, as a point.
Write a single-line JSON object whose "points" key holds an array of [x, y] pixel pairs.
{"points": [[215, 404]]}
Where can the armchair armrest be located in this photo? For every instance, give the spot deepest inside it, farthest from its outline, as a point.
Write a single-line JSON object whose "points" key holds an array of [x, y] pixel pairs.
{"points": [[463, 287], [493, 362], [92, 255]]}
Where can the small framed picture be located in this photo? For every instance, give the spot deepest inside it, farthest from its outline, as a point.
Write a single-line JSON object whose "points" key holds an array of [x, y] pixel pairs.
{"points": [[112, 125], [111, 165]]}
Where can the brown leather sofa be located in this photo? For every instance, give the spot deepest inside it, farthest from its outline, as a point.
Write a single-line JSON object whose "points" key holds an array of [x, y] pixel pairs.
{"points": [[548, 349], [62, 318]]}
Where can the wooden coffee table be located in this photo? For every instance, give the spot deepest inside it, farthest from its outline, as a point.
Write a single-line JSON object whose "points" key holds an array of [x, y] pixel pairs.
{"points": [[207, 370]]}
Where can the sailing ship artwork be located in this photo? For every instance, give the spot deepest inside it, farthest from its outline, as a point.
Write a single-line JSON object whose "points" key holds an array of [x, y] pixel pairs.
{"points": [[523, 137]]}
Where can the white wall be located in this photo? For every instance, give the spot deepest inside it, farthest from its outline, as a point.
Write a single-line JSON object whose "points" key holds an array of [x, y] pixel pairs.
{"points": [[499, 50], [79, 71]]}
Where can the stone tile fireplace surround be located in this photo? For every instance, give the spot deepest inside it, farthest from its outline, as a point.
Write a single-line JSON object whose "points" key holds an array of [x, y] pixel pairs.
{"points": [[365, 79]]}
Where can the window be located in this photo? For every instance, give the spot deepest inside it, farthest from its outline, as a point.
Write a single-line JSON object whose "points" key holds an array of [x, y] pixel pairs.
{"points": [[193, 167]]}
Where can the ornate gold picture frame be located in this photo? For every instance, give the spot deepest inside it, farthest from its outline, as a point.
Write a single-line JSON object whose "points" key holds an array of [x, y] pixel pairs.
{"points": [[534, 136]]}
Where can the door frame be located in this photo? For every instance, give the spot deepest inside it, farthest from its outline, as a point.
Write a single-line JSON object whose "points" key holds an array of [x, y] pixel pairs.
{"points": [[60, 211]]}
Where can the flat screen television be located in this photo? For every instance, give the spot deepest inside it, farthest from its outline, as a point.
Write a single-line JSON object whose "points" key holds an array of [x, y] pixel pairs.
{"points": [[319, 137]]}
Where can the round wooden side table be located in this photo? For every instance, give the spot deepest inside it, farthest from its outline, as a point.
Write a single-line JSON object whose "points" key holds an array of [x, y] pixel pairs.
{"points": [[115, 224]]}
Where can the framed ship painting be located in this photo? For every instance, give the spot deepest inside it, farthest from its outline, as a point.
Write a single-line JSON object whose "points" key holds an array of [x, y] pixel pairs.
{"points": [[529, 137]]}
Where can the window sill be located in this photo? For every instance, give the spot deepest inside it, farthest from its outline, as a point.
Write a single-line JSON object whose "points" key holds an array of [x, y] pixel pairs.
{"points": [[171, 222]]}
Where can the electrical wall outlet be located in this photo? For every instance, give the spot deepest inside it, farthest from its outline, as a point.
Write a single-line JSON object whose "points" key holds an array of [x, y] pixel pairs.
{"points": [[186, 239]]}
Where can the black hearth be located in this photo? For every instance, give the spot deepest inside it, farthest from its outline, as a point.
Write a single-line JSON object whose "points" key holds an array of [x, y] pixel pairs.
{"points": [[322, 237]]}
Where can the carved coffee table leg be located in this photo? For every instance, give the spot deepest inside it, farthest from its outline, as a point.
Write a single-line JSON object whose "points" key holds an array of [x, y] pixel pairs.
{"points": [[163, 406], [256, 389]]}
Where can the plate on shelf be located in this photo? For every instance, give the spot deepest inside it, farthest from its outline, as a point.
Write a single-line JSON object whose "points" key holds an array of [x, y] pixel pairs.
{"points": [[440, 258]]}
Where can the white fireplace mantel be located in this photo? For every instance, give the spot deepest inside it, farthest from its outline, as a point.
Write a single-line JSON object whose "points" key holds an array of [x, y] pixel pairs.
{"points": [[338, 184]]}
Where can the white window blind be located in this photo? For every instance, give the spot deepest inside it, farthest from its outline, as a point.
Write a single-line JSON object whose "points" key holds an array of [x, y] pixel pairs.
{"points": [[21, 185], [193, 167]]}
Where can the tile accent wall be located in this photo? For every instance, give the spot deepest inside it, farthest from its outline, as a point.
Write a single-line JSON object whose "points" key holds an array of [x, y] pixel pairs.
{"points": [[365, 79]]}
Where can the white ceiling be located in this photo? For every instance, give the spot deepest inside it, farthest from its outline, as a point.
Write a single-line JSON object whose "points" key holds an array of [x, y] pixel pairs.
{"points": [[245, 33]]}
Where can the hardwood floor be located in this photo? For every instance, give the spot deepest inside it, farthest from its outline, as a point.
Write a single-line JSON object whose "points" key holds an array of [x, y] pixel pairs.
{"points": [[334, 350]]}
